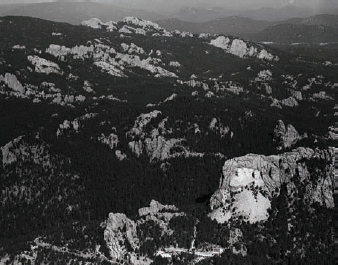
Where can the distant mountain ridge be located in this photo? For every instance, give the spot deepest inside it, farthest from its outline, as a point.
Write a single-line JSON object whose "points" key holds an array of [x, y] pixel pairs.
{"points": [[74, 13], [324, 27]]}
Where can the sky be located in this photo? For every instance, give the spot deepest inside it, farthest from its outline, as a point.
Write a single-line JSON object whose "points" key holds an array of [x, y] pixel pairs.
{"points": [[238, 4]]}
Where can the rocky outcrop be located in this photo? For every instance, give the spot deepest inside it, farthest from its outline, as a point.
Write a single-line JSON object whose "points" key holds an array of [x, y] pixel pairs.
{"points": [[10, 151], [13, 83], [159, 147], [241, 49], [119, 232], [94, 23], [111, 140], [286, 136], [217, 127], [141, 122], [44, 66], [249, 182], [153, 143], [121, 235], [74, 125], [119, 155], [264, 75], [156, 207], [289, 102], [321, 95]]}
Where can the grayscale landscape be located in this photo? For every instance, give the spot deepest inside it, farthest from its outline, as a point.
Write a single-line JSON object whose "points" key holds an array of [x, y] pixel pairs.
{"points": [[156, 132]]}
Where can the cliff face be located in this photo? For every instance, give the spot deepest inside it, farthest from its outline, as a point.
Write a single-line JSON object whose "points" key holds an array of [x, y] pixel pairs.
{"points": [[286, 135], [119, 232], [125, 238], [249, 182]]}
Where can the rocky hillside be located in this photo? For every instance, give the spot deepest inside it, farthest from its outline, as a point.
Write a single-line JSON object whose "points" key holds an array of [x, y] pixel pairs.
{"points": [[126, 143]]}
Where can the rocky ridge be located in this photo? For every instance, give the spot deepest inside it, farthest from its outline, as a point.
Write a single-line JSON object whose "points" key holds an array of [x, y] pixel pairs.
{"points": [[154, 143], [248, 183]]}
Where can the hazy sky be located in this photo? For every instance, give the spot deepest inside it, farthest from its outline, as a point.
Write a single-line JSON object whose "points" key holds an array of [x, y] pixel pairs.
{"points": [[314, 4]]}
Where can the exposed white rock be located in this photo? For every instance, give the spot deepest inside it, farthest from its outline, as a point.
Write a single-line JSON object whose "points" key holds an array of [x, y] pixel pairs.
{"points": [[287, 136], [248, 183], [209, 94], [153, 143], [204, 35], [132, 48], [297, 94], [8, 151], [119, 231], [136, 259], [220, 42], [110, 69], [19, 47], [120, 156], [74, 125], [241, 49], [175, 64], [185, 34], [238, 47], [87, 86], [276, 103], [267, 88], [111, 140], [44, 66], [13, 83], [322, 95], [194, 83], [230, 87], [263, 54], [156, 207], [159, 147], [290, 102], [219, 128], [126, 30], [170, 98], [19, 150], [136, 147], [98, 51], [328, 63], [141, 23], [196, 128], [94, 23], [146, 64], [264, 75], [141, 122], [111, 26], [72, 77]]}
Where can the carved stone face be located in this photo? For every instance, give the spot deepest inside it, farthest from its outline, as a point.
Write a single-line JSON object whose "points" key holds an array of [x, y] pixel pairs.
{"points": [[245, 176]]}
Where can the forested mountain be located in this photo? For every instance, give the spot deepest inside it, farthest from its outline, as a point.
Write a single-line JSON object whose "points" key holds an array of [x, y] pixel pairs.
{"points": [[309, 30], [74, 12], [124, 143]]}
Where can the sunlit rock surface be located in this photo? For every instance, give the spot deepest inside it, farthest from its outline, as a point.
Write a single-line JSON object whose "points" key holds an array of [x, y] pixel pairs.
{"points": [[119, 232], [286, 135], [155, 207], [12, 82], [44, 66], [241, 49], [248, 182]]}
